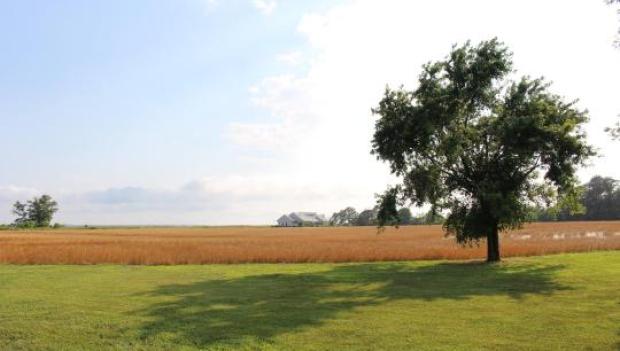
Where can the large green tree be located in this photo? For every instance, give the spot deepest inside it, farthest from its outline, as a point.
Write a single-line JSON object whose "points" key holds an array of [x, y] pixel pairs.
{"points": [[472, 142]]}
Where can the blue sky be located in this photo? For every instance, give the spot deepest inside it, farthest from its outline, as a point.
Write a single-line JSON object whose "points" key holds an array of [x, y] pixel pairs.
{"points": [[222, 112], [122, 88]]}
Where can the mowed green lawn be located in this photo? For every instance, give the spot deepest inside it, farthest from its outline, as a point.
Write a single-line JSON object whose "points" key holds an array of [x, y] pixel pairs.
{"points": [[556, 302]]}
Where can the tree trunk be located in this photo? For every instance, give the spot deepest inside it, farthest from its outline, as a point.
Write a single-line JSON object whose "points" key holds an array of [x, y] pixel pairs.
{"points": [[493, 245]]}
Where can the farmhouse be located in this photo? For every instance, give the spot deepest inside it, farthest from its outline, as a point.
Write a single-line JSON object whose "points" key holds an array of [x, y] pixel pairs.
{"points": [[298, 219]]}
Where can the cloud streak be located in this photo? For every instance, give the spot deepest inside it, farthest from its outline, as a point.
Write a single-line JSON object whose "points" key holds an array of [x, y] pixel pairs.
{"points": [[359, 47], [266, 7], [312, 123], [251, 199]]}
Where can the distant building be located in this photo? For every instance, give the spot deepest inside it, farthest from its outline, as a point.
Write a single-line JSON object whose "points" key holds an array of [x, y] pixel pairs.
{"points": [[298, 219]]}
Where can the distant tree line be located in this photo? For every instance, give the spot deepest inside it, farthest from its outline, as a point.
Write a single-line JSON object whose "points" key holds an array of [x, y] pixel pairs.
{"points": [[350, 217], [599, 199]]}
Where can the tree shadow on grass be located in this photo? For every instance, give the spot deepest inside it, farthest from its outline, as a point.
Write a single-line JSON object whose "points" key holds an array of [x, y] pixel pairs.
{"points": [[253, 309]]}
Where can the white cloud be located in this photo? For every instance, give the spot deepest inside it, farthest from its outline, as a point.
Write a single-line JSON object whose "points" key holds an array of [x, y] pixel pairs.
{"points": [[318, 126], [9, 195], [285, 98], [12, 189], [260, 135], [248, 199], [292, 58], [209, 5], [13, 193], [361, 46], [265, 6]]}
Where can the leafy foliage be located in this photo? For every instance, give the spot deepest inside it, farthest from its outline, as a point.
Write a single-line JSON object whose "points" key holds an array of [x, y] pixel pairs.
{"points": [[347, 216], [471, 141], [614, 131], [37, 212], [599, 199], [602, 198], [367, 217], [405, 216], [388, 202], [21, 211]]}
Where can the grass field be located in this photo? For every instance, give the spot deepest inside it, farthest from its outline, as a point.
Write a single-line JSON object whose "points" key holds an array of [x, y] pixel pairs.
{"points": [[557, 302], [274, 245]]}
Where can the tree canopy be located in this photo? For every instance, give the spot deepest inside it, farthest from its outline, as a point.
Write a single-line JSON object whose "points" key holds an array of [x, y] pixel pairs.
{"points": [[598, 199], [347, 216], [366, 218], [601, 198], [405, 216], [470, 141], [37, 212]]}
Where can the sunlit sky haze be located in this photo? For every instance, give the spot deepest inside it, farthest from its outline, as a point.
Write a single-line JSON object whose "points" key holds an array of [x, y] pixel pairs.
{"points": [[234, 112]]}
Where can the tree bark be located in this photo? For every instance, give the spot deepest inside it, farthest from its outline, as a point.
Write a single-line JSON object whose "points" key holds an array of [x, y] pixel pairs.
{"points": [[493, 245]]}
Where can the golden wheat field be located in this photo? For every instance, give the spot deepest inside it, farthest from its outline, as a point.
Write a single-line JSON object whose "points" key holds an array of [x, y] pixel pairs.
{"points": [[267, 244]]}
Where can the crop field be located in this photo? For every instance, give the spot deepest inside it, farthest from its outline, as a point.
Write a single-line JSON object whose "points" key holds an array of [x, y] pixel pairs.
{"points": [[556, 302], [276, 245]]}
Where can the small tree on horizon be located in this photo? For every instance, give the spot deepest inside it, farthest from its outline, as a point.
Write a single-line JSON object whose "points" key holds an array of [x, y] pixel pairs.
{"points": [[367, 217], [347, 216], [21, 211], [404, 216], [601, 199], [37, 212], [470, 141]]}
